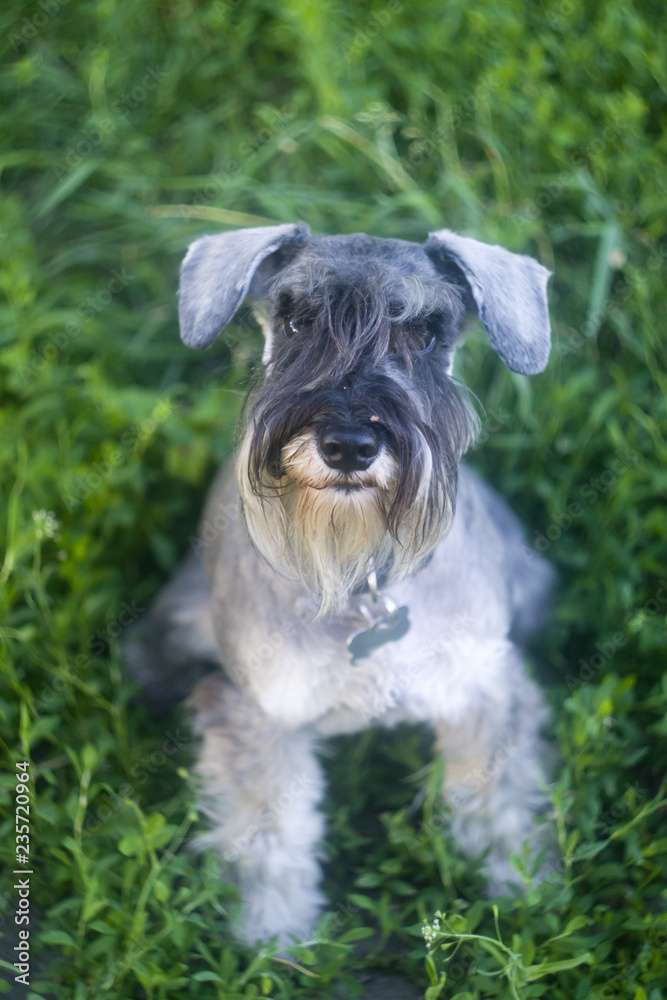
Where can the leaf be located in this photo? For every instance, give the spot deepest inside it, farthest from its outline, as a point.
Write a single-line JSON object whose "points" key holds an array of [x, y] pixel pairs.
{"points": [[576, 923], [161, 891], [57, 936], [364, 902], [131, 845], [609, 241], [356, 934], [434, 991], [89, 757], [207, 976], [295, 965], [587, 851], [534, 972], [68, 186]]}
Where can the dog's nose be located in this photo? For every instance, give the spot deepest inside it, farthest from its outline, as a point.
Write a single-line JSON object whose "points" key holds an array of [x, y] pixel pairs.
{"points": [[348, 449]]}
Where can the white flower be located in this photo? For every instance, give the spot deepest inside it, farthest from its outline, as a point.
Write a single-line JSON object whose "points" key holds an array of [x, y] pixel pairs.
{"points": [[46, 523], [431, 931]]}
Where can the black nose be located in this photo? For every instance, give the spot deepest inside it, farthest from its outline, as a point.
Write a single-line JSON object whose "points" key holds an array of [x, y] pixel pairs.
{"points": [[348, 449]]}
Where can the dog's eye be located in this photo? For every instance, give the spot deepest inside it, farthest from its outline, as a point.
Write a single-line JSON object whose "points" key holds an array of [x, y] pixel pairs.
{"points": [[289, 327], [421, 339], [423, 343]]}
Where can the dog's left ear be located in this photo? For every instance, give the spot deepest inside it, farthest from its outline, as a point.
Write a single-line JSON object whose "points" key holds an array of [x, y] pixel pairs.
{"points": [[510, 292], [218, 272]]}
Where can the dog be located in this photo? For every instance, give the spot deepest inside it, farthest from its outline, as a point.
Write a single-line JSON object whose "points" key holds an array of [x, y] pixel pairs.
{"points": [[349, 570]]}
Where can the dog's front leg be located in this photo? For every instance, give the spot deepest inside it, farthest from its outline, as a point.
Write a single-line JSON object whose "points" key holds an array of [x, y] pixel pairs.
{"points": [[495, 779], [261, 788]]}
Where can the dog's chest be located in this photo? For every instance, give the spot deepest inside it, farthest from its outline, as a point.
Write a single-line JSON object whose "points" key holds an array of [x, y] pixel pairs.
{"points": [[301, 673], [299, 670]]}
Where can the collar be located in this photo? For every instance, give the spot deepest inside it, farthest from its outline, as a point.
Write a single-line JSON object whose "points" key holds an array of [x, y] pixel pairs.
{"points": [[384, 620]]}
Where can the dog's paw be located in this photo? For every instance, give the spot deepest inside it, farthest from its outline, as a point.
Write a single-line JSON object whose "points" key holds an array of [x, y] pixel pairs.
{"points": [[287, 910]]}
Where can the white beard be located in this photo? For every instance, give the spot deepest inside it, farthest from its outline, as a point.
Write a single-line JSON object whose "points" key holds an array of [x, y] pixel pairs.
{"points": [[328, 537]]}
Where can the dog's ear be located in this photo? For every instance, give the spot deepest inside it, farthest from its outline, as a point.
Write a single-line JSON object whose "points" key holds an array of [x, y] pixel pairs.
{"points": [[510, 292], [217, 274]]}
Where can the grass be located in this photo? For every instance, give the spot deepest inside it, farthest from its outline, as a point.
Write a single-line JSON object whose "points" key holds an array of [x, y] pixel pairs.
{"points": [[129, 129]]}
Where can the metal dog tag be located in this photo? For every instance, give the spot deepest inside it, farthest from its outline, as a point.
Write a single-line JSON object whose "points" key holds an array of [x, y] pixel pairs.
{"points": [[388, 628]]}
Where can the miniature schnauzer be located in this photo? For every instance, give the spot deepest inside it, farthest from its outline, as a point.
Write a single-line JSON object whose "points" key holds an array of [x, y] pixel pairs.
{"points": [[348, 572]]}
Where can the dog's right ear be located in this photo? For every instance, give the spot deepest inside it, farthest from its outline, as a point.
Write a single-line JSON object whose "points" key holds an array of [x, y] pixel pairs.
{"points": [[217, 274]]}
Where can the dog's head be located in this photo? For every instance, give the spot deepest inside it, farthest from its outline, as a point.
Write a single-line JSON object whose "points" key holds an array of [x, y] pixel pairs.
{"points": [[353, 438]]}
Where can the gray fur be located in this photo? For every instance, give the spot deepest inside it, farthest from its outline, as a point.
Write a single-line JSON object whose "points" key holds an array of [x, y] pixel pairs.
{"points": [[508, 289], [217, 273], [360, 333], [510, 292]]}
